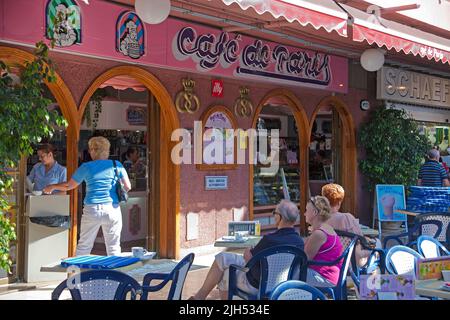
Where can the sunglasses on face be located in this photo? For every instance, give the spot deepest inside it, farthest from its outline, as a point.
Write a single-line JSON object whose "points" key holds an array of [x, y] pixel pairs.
{"points": [[312, 200]]}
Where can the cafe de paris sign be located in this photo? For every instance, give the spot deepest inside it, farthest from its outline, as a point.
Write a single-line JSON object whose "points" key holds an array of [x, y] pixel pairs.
{"points": [[412, 87]]}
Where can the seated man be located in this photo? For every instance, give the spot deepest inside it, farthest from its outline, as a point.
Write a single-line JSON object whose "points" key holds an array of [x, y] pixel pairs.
{"points": [[286, 214]]}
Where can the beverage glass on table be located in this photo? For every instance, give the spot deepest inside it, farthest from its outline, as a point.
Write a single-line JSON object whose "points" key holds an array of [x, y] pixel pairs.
{"points": [[138, 252]]}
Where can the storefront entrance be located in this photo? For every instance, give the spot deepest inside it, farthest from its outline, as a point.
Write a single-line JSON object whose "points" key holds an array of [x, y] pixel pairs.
{"points": [[332, 150], [280, 110], [150, 217]]}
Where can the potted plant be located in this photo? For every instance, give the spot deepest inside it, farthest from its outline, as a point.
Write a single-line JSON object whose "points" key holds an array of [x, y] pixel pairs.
{"points": [[394, 148]]}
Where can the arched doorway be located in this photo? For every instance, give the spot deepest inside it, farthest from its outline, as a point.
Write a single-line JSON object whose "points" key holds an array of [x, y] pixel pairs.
{"points": [[333, 141], [284, 110], [165, 222], [19, 58]]}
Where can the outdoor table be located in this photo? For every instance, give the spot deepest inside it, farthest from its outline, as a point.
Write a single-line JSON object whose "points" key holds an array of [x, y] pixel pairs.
{"points": [[409, 213], [430, 288], [368, 232], [56, 266], [249, 243]]}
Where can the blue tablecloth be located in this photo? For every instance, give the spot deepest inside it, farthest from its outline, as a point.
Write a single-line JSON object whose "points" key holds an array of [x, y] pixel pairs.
{"points": [[98, 262], [428, 199]]}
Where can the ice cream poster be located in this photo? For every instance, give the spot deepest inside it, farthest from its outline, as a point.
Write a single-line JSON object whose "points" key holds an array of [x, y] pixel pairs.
{"points": [[389, 199]]}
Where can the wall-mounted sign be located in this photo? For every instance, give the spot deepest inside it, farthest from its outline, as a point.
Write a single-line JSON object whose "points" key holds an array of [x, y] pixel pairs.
{"points": [[217, 88], [218, 138], [184, 46], [216, 182], [130, 35], [412, 87], [63, 22], [136, 115], [257, 59]]}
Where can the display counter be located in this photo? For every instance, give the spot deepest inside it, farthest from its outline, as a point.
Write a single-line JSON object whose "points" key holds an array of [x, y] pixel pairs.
{"points": [[43, 243]]}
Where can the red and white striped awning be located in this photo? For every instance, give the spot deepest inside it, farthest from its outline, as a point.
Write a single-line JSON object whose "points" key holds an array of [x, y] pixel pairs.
{"points": [[393, 35], [318, 13]]}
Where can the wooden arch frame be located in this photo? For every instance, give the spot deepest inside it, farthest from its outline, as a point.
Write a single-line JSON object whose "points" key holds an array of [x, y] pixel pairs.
{"points": [[64, 98], [169, 179], [302, 123], [203, 118], [349, 164]]}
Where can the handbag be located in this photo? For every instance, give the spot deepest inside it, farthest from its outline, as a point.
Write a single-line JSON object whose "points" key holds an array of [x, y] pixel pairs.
{"points": [[121, 193]]}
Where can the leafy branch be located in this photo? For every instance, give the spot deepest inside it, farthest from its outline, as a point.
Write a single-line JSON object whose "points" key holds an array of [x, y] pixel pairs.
{"points": [[25, 122]]}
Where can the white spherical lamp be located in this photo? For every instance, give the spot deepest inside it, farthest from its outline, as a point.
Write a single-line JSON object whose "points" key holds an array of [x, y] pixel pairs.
{"points": [[152, 11], [372, 59]]}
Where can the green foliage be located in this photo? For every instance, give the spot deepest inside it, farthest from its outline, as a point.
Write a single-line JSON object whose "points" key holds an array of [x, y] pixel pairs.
{"points": [[96, 100], [394, 148], [25, 121]]}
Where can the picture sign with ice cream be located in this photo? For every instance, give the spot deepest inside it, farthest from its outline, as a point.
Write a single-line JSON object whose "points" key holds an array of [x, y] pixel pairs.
{"points": [[390, 198]]}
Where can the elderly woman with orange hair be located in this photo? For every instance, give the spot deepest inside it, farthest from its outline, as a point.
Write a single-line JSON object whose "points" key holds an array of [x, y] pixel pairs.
{"points": [[343, 221]]}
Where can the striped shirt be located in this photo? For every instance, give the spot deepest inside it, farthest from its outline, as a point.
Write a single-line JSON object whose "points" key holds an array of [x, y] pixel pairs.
{"points": [[432, 173]]}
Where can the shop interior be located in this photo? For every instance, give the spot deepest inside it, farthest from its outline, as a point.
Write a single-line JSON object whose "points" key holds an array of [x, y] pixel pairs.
{"points": [[438, 135], [324, 149], [118, 110], [269, 189]]}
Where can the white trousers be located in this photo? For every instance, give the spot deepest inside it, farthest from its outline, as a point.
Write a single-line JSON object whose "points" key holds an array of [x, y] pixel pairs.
{"points": [[107, 216]]}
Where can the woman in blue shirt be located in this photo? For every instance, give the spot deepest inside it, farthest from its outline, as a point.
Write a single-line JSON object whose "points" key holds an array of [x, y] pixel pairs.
{"points": [[48, 170], [101, 203]]}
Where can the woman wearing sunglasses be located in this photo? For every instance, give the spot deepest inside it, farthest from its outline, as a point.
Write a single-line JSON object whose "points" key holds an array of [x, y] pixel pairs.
{"points": [[323, 244]]}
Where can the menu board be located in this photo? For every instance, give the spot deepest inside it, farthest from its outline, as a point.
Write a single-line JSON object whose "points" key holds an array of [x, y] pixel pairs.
{"points": [[387, 287], [432, 268]]}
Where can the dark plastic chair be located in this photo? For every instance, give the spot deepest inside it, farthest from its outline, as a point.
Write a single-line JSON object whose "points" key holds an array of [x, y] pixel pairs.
{"points": [[402, 260], [277, 264], [339, 291], [431, 248], [436, 225], [99, 285], [177, 276], [375, 260], [296, 290]]}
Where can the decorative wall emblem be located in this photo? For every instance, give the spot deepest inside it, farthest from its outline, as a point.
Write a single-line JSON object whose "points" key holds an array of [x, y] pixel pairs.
{"points": [[187, 100], [63, 22], [243, 106], [134, 217], [130, 35]]}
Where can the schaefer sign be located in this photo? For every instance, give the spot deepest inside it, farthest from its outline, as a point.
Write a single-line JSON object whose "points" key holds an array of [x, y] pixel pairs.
{"points": [[412, 87]]}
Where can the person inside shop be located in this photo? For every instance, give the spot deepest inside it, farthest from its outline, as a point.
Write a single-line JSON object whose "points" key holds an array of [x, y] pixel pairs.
{"points": [[323, 244], [286, 214], [345, 221], [101, 203], [432, 173], [133, 163], [47, 171]]}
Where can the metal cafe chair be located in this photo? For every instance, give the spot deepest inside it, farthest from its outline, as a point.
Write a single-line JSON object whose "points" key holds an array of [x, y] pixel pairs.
{"points": [[401, 260], [296, 290], [99, 285], [436, 225], [277, 264], [338, 291], [375, 260], [431, 248], [177, 277]]}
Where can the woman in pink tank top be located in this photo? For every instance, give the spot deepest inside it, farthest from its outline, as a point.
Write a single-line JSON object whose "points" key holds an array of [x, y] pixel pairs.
{"points": [[323, 244]]}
